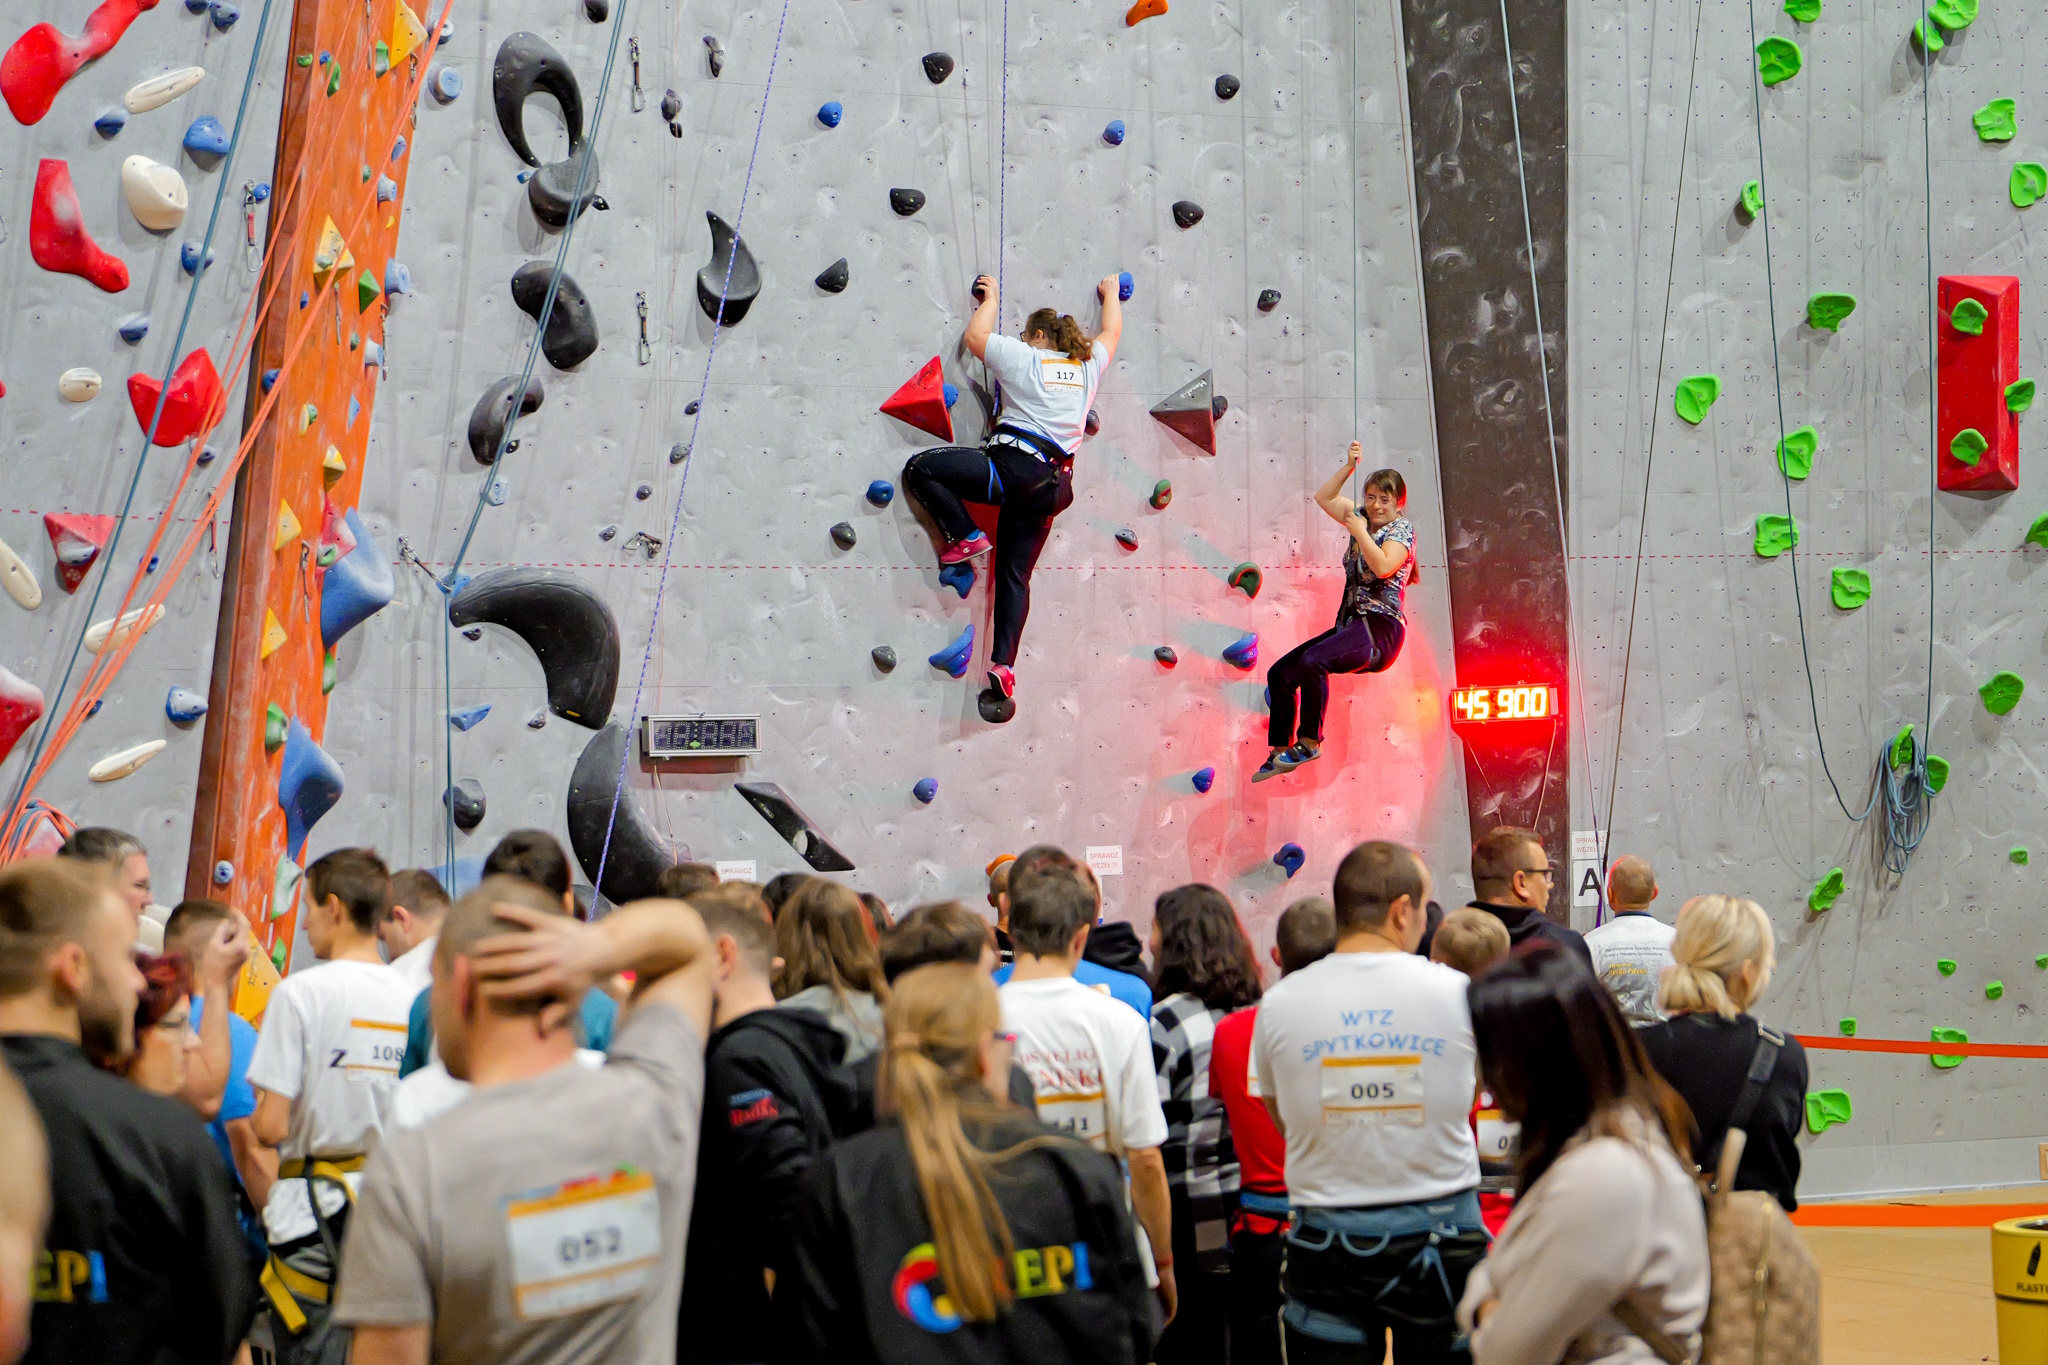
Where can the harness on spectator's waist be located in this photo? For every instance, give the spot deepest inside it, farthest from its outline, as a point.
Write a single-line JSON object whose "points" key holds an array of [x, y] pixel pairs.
{"points": [[281, 1280]]}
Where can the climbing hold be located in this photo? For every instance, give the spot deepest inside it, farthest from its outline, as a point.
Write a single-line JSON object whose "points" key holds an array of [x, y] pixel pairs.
{"points": [[1969, 445], [133, 328], [906, 202], [1247, 579], [1114, 133], [397, 278], [678, 452], [194, 402], [953, 658], [1751, 203], [1694, 395], [843, 536], [1187, 212], [950, 394], [671, 109], [921, 402], [1826, 891], [830, 112], [1165, 655], [881, 492], [1190, 411], [1953, 14], [1143, 10], [307, 416], [2018, 857], [468, 717], [833, 277], [551, 191], [1778, 60], [80, 385], [1796, 451], [330, 672], [1227, 87], [493, 411], [223, 872], [926, 790], [1937, 772], [57, 239], [884, 658], [21, 705], [1927, 33], [1968, 317], [597, 11], [959, 577], [774, 806], [113, 632], [608, 532], [308, 786], [1850, 588], [1127, 538], [1994, 990], [356, 587], [288, 527], [1802, 11], [2001, 692], [274, 637], [188, 258], [527, 65], [19, 583], [2029, 184], [1090, 426], [1125, 286], [568, 626], [643, 492], [714, 52], [1826, 1108], [465, 800], [1162, 493], [1269, 299], [1203, 778], [994, 707], [206, 138], [110, 122], [116, 766], [1290, 858], [1945, 965], [1995, 122], [1945, 1061], [1775, 534], [1826, 311], [690, 408], [444, 83], [43, 59], [158, 91], [2019, 395], [937, 66], [77, 541], [1848, 1027], [496, 494], [731, 276], [275, 724], [1244, 653], [570, 337]]}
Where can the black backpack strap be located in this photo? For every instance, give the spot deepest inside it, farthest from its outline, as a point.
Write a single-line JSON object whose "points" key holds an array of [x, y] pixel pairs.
{"points": [[1762, 1062]]}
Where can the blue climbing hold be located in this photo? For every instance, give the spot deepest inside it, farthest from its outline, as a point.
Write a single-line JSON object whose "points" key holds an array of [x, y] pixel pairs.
{"points": [[926, 790], [308, 785], [206, 456], [206, 137], [398, 149], [184, 706], [373, 355], [224, 15], [357, 586], [951, 392], [387, 189], [195, 6], [259, 193], [305, 299], [1291, 858], [830, 112], [223, 872], [269, 379], [397, 279], [133, 328], [355, 410], [325, 56], [468, 717], [881, 492], [953, 658], [188, 258], [111, 122], [1204, 779], [1244, 653], [150, 567], [960, 578], [445, 82], [1114, 133], [1125, 286]]}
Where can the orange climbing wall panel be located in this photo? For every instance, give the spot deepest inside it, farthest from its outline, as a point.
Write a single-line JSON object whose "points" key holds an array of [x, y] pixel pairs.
{"points": [[1974, 372], [343, 120]]}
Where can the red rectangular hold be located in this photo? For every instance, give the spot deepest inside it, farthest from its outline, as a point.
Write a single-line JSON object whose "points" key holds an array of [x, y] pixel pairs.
{"points": [[1975, 369]]}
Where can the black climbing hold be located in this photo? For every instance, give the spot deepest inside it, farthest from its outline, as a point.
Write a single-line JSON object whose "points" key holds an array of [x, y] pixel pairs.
{"points": [[568, 626], [1165, 655], [671, 105], [884, 657], [1269, 299], [608, 533], [843, 536], [1218, 406], [571, 336], [644, 492], [473, 633], [833, 277], [995, 708], [1093, 424], [526, 64], [537, 721], [906, 202], [1227, 87], [774, 806], [596, 11], [715, 52], [1127, 538], [637, 853], [1190, 411], [488, 418], [552, 189], [690, 408], [466, 800], [1187, 213], [732, 275], [937, 66], [678, 452]]}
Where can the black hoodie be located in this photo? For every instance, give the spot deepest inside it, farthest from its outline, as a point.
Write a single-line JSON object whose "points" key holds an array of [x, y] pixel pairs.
{"points": [[1525, 924], [775, 1096], [1114, 944]]}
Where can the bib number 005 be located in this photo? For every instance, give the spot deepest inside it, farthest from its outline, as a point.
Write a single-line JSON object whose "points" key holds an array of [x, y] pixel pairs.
{"points": [[1372, 1090]]}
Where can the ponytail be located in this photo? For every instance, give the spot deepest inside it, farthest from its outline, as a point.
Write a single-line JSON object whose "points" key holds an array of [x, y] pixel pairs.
{"points": [[1066, 334], [1717, 937]]}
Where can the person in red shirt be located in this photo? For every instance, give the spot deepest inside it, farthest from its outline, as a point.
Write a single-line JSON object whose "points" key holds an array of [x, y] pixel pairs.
{"points": [[1306, 933], [1472, 941]]}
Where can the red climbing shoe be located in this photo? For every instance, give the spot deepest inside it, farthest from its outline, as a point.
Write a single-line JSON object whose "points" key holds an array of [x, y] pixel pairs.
{"points": [[961, 551], [1001, 679]]}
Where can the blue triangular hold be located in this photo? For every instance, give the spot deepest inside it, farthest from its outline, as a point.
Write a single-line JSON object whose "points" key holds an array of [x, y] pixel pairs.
{"points": [[308, 785], [468, 717], [355, 410], [953, 658], [356, 587]]}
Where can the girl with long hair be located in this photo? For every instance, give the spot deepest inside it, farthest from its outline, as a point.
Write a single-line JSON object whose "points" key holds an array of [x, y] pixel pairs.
{"points": [[829, 963]]}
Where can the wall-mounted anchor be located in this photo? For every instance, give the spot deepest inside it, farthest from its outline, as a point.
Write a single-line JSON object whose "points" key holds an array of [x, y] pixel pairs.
{"points": [[639, 95], [646, 349], [640, 540]]}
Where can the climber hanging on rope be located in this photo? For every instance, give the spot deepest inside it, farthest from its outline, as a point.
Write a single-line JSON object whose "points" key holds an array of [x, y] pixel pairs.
{"points": [[1379, 561], [1026, 468]]}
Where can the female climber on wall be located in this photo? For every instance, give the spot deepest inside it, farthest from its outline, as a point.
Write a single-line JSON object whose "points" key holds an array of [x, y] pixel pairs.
{"points": [[1378, 562], [1026, 468]]}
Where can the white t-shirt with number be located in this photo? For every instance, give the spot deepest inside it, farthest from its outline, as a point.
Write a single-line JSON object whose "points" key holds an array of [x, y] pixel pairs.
{"points": [[332, 1038], [1371, 1060], [1044, 390], [1090, 1062]]}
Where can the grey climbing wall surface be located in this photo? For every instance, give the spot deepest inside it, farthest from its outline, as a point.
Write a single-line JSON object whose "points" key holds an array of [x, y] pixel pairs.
{"points": [[1720, 776], [81, 459]]}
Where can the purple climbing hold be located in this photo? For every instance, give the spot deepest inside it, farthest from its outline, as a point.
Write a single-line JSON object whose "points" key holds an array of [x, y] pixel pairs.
{"points": [[959, 577], [1290, 857], [690, 408], [926, 790], [1125, 286], [1114, 133], [1204, 779], [954, 657], [1244, 653], [881, 492], [468, 717]]}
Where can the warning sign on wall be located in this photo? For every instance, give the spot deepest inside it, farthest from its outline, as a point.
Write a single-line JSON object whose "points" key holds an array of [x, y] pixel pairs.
{"points": [[1586, 888]]}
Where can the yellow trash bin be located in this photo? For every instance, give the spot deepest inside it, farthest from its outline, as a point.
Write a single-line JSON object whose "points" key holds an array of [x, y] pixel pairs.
{"points": [[2019, 1277]]}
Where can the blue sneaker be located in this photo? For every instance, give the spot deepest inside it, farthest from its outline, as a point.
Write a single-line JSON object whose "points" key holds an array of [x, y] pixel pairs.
{"points": [[1271, 767], [1285, 761]]}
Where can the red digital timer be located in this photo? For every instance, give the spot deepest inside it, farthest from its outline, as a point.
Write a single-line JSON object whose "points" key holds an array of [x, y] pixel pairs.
{"points": [[1515, 701]]}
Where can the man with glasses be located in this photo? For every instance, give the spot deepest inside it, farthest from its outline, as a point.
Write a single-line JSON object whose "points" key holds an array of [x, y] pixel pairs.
{"points": [[1511, 880]]}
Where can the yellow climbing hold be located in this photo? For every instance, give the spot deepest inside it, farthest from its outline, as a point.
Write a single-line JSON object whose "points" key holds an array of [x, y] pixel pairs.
{"points": [[273, 634], [331, 257], [288, 527], [332, 467], [407, 33]]}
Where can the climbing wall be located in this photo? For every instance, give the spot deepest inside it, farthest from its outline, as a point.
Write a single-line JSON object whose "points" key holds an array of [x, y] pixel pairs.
{"points": [[1721, 779]]}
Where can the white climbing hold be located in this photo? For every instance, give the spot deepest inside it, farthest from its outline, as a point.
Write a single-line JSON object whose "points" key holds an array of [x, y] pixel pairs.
{"points": [[111, 633], [116, 766], [21, 585], [156, 193], [81, 385], [158, 91]]}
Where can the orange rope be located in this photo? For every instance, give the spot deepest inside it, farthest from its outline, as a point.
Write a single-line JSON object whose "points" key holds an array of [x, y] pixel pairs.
{"points": [[1911, 1215]]}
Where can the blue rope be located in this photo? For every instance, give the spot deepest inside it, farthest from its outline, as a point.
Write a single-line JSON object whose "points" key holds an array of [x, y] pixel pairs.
{"points": [[668, 546], [1002, 211]]}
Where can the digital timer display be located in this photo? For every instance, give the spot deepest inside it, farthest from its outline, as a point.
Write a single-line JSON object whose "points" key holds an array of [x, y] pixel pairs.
{"points": [[1515, 701], [699, 736]]}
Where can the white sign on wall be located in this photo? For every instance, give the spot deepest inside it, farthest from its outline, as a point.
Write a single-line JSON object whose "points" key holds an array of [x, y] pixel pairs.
{"points": [[739, 870], [1586, 887], [1107, 861]]}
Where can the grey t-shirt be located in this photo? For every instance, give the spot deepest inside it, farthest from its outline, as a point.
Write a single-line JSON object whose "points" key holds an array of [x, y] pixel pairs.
{"points": [[540, 1221]]}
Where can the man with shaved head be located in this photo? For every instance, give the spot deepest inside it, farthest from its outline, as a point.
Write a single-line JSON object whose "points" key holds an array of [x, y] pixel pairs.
{"points": [[1631, 951]]}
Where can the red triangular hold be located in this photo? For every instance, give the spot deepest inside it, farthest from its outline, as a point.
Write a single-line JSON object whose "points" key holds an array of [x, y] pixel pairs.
{"points": [[21, 705], [922, 402], [78, 540], [196, 402]]}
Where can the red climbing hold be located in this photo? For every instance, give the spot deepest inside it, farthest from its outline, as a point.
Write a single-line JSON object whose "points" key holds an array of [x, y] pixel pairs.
{"points": [[21, 705], [42, 59], [922, 402], [78, 541], [196, 402], [57, 238]]}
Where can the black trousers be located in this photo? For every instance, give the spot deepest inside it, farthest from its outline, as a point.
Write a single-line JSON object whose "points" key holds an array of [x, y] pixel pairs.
{"points": [[1255, 1296], [1200, 1331], [1029, 492], [1368, 645]]}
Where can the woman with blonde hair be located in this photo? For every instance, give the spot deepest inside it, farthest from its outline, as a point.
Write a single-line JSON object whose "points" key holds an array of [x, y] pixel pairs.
{"points": [[960, 1229], [1732, 1070], [829, 963]]}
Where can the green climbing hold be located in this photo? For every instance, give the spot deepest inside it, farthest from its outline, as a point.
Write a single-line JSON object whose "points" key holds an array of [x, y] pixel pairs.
{"points": [[2019, 395], [1997, 121], [1994, 990], [304, 59], [1902, 747], [1778, 60], [1751, 205], [1937, 772], [1826, 891], [1828, 310], [1945, 965], [1694, 395], [2041, 961], [1775, 535], [1795, 452], [1849, 1027], [1969, 445], [276, 724], [2029, 184], [1851, 588], [1928, 35], [1162, 493], [1804, 11], [330, 672], [333, 78], [1247, 579], [368, 290], [2001, 692], [2037, 534], [278, 952], [1968, 317], [380, 59], [2018, 856], [1953, 14], [1825, 1109]]}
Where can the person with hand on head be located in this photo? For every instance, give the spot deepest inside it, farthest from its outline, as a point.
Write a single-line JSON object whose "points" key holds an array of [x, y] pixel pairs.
{"points": [[1379, 562], [410, 922], [828, 964], [122, 854], [1367, 1066], [1511, 880], [1631, 951], [542, 1220], [1113, 978], [142, 1263], [1047, 381], [216, 936], [24, 1212]]}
